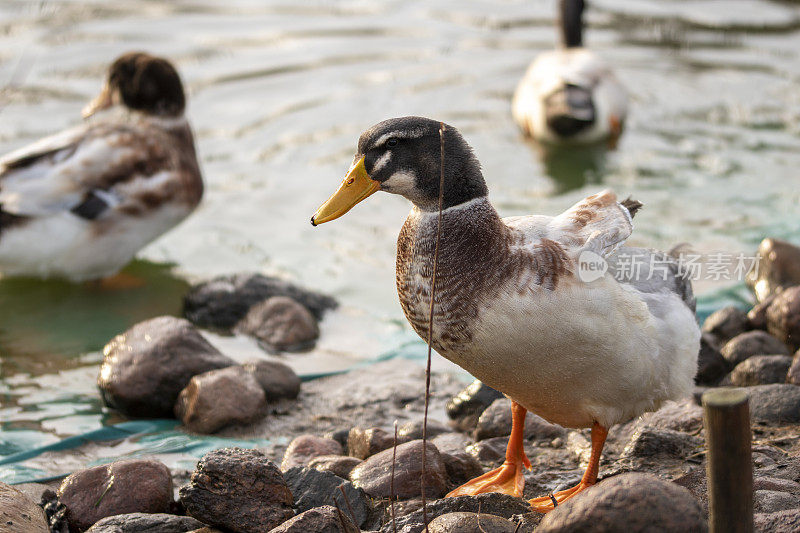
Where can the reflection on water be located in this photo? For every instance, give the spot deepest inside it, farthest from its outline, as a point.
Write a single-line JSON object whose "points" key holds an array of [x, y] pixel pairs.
{"points": [[573, 167]]}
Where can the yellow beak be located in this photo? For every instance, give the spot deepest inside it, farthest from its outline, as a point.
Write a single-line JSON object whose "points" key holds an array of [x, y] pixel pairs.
{"points": [[357, 185], [104, 100]]}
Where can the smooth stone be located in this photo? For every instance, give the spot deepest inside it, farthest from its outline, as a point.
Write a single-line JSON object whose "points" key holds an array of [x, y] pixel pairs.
{"points": [[461, 467], [220, 398], [783, 317], [313, 488], [412, 430], [305, 448], [684, 415], [375, 474], [495, 421], [772, 501], [20, 514], [780, 522], [340, 465], [776, 483], [793, 375], [122, 487], [490, 450], [145, 523], [726, 323], [655, 442], [466, 407], [237, 490], [493, 503], [711, 365], [761, 370], [752, 343], [363, 443], [451, 443], [757, 316], [631, 502], [325, 519], [778, 267], [462, 522], [221, 302], [145, 368], [775, 404], [281, 325], [277, 380]]}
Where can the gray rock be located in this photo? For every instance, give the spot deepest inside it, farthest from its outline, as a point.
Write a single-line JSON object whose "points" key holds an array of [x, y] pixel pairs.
{"points": [[495, 421], [489, 451], [761, 370], [145, 368], [462, 522], [757, 316], [465, 408], [684, 415], [783, 317], [313, 488], [461, 467], [494, 503], [780, 522], [793, 375], [726, 323], [19, 514], [778, 268], [219, 398], [279, 381], [711, 366], [633, 502], [325, 519], [775, 404], [696, 483], [237, 490], [306, 447], [772, 501], [654, 442], [145, 523], [340, 465], [752, 343], [375, 474], [122, 487], [220, 303], [281, 325], [527, 522], [451, 442], [363, 443], [776, 483], [412, 430]]}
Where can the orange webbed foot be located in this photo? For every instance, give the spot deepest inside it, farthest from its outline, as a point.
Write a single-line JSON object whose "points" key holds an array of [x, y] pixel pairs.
{"points": [[507, 479], [545, 504]]}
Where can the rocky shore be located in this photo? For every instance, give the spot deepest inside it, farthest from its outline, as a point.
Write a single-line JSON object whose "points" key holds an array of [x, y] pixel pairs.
{"points": [[342, 467]]}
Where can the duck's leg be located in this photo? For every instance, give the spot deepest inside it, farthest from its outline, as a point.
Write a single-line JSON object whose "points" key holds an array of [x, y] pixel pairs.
{"points": [[508, 478], [545, 503]]}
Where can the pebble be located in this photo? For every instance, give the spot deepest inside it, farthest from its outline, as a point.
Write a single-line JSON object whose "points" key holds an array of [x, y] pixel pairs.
{"points": [[20, 514], [340, 465], [145, 368], [465, 408], [280, 324], [145, 523], [726, 323], [711, 365], [778, 267], [775, 404], [783, 317], [631, 502], [122, 487], [220, 398], [752, 343], [761, 370], [277, 380], [495, 421], [313, 488], [463, 522], [375, 474], [220, 303], [305, 448], [325, 519], [237, 490]]}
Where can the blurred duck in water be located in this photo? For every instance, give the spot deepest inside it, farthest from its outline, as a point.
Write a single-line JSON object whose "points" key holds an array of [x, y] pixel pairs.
{"points": [[80, 204], [570, 95]]}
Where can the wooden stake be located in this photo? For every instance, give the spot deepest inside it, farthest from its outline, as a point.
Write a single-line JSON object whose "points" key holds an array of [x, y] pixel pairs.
{"points": [[729, 467]]}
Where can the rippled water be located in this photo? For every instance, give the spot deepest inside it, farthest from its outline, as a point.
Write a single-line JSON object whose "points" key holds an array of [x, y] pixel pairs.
{"points": [[278, 94]]}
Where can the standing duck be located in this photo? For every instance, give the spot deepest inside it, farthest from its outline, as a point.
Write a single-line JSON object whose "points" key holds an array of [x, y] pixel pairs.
{"points": [[81, 203], [570, 95], [512, 307]]}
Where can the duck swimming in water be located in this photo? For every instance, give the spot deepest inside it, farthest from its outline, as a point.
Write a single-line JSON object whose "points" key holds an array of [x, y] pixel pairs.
{"points": [[81, 203], [570, 95], [511, 306]]}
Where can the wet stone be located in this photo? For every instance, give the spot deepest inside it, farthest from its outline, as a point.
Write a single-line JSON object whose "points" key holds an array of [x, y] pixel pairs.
{"points": [[281, 325], [761, 370], [375, 474], [220, 398], [462, 522], [495, 421], [726, 323], [220, 303], [711, 365], [340, 465], [305, 448], [778, 268], [20, 514], [145, 368], [775, 404], [277, 380], [752, 343], [145, 523], [325, 519], [632, 502], [122, 487], [783, 317], [237, 490], [313, 488], [465, 408]]}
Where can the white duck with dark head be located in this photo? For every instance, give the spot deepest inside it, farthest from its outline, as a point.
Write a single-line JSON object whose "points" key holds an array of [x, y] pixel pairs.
{"points": [[510, 305]]}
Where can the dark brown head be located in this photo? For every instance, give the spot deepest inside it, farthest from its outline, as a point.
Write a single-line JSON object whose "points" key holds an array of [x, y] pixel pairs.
{"points": [[144, 83]]}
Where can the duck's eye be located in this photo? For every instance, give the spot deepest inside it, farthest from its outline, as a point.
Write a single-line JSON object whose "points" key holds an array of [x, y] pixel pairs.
{"points": [[391, 142]]}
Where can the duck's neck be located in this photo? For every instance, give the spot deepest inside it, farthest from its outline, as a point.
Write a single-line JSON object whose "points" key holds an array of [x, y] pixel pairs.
{"points": [[571, 23]]}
